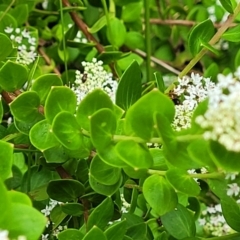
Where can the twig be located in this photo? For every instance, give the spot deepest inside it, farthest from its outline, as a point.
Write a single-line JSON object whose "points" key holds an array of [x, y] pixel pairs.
{"points": [[183, 22], [157, 61], [47, 60]]}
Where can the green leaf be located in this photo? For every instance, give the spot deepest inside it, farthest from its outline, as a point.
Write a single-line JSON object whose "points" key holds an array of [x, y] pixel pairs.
{"points": [[137, 231], [98, 25], [227, 5], [103, 172], [5, 205], [94, 101], [59, 99], [67, 130], [103, 125], [106, 190], [130, 86], [232, 34], [95, 233], [140, 119], [131, 12], [134, 40], [182, 182], [42, 137], [73, 209], [111, 157], [159, 194], [25, 107], [65, 190], [226, 159], [57, 154], [116, 231], [116, 32], [101, 215], [1, 110], [57, 215], [181, 218], [12, 76], [24, 218], [6, 46], [20, 13], [19, 197], [43, 84], [231, 212], [6, 157], [159, 80], [202, 32], [70, 234], [134, 154], [6, 21]]}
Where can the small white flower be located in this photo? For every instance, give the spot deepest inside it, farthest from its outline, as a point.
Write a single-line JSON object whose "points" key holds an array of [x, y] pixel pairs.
{"points": [[233, 189], [8, 30]]}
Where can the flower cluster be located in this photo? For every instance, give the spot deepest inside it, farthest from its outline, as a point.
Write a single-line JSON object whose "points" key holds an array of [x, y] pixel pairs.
{"points": [[222, 118], [79, 37], [4, 236], [24, 42], [189, 92], [213, 222], [47, 211], [94, 76]]}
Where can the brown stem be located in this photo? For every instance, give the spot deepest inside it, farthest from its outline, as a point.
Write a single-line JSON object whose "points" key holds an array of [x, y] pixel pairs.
{"points": [[63, 173], [47, 60], [8, 97], [182, 22]]}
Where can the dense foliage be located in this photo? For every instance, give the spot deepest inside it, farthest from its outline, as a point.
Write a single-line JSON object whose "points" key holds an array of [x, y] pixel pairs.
{"points": [[119, 119]]}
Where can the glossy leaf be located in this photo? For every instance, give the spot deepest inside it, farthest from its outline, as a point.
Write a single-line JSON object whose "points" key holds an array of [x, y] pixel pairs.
{"points": [[137, 231], [101, 215], [5, 205], [56, 154], [116, 231], [103, 125], [6, 160], [140, 119], [70, 234], [42, 137], [103, 172], [65, 190], [134, 154], [159, 194], [12, 76], [106, 190], [95, 233], [231, 212], [182, 182], [26, 107], [130, 86], [202, 32], [67, 130], [232, 34], [6, 46], [43, 84], [73, 209], [181, 218], [94, 101], [59, 99], [227, 5], [98, 25]]}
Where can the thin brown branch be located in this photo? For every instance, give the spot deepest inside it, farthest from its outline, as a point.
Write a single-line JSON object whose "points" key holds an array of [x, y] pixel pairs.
{"points": [[158, 61], [63, 173], [183, 22], [8, 97], [48, 60]]}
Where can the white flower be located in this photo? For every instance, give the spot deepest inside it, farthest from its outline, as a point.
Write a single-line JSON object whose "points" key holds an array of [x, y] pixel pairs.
{"points": [[45, 237], [231, 176], [4, 235], [233, 189], [8, 30]]}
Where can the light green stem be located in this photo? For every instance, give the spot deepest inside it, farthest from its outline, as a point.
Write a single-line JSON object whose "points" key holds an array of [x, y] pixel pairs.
{"points": [[147, 38], [214, 40]]}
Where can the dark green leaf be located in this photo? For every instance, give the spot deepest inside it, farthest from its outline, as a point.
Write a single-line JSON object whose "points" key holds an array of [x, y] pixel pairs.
{"points": [[116, 231], [227, 5], [95, 233], [202, 32], [181, 218], [65, 190], [130, 86], [70, 234], [159, 194], [101, 215], [94, 101], [59, 99], [138, 231], [159, 81], [73, 209], [103, 172], [67, 130], [12, 76], [6, 46], [57, 154]]}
